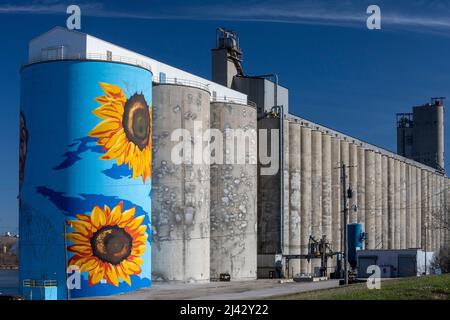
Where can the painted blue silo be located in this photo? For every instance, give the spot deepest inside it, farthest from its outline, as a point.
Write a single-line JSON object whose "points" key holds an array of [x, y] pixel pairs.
{"points": [[355, 242], [85, 179]]}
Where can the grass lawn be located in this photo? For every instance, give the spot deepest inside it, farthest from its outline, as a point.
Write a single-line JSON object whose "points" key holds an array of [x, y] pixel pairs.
{"points": [[424, 288]]}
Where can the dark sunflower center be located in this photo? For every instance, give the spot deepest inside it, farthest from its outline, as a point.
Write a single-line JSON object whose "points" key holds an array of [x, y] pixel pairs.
{"points": [[111, 244], [136, 121]]}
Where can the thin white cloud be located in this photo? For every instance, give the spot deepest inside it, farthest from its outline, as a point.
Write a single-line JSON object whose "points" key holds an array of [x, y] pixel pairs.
{"points": [[435, 18]]}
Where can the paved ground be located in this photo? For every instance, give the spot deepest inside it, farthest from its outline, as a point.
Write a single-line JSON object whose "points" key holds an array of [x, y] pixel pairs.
{"points": [[239, 290]]}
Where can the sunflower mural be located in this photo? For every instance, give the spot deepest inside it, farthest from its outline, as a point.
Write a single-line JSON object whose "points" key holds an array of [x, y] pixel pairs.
{"points": [[125, 132], [108, 244]]}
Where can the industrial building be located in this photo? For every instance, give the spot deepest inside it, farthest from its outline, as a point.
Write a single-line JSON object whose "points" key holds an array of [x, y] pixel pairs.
{"points": [[420, 134], [207, 220]]}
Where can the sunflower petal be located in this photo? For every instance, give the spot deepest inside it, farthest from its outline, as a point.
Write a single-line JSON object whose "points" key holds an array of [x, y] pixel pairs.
{"points": [[89, 264], [136, 222], [123, 275], [138, 250], [96, 275], [127, 216], [81, 250], [106, 128], [116, 214], [82, 227], [98, 217], [130, 267], [77, 238], [111, 275]]}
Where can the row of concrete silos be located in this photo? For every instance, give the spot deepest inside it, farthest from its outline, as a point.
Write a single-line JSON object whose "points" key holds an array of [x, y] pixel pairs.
{"points": [[401, 204], [203, 215]]}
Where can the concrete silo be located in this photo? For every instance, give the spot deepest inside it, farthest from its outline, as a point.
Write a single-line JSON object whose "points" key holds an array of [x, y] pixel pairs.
{"points": [[233, 191], [305, 196], [86, 178], [181, 188], [295, 195], [336, 195], [316, 189]]}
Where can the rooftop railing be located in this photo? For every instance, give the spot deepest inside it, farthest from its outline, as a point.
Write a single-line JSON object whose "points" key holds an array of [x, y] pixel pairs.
{"points": [[224, 99], [182, 82], [95, 57]]}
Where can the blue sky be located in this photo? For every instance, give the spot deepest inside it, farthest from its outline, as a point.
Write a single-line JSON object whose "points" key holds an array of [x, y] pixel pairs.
{"points": [[338, 72]]}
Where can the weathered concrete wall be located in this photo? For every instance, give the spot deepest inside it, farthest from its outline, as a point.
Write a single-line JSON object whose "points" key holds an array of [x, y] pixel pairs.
{"points": [[408, 207], [316, 191], [353, 182], [418, 205], [305, 196], [402, 205], [268, 205], [286, 215], [336, 195], [413, 207], [391, 203], [327, 169], [378, 202], [233, 195], [181, 203], [295, 196], [397, 205], [362, 187], [370, 198], [424, 206], [384, 202]]}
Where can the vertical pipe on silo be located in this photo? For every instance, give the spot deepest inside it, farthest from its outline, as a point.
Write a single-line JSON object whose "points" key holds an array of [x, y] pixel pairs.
{"points": [[418, 208], [336, 193], [397, 205], [391, 203], [353, 183], [384, 196], [378, 202], [362, 187], [316, 194], [326, 186], [370, 198], [295, 198], [305, 187]]}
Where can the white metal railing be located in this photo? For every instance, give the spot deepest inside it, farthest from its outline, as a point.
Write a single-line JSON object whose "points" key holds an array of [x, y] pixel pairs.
{"points": [[233, 100], [95, 56], [183, 82]]}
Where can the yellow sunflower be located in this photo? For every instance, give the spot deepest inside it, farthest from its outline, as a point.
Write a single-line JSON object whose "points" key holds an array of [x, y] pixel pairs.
{"points": [[125, 131], [108, 244]]}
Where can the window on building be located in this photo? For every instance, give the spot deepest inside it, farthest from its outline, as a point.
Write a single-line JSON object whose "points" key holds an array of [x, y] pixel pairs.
{"points": [[108, 55]]}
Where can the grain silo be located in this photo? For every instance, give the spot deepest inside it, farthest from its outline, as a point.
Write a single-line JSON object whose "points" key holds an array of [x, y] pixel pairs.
{"points": [[181, 185], [233, 191], [86, 178]]}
